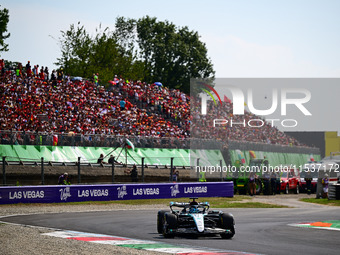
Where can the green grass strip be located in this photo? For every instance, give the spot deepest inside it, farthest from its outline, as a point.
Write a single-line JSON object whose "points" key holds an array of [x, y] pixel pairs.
{"points": [[215, 202], [335, 223], [321, 201], [250, 205]]}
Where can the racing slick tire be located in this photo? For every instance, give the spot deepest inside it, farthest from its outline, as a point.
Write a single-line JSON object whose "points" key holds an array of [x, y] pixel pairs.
{"points": [[227, 222], [169, 224], [160, 221]]}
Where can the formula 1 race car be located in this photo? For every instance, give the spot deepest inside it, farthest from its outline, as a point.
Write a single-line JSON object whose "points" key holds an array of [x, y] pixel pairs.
{"points": [[196, 219]]}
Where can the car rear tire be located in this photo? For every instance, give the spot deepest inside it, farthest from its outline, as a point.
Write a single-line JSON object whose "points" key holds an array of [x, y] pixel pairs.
{"points": [[242, 191], [258, 184], [287, 189], [227, 222], [170, 224], [160, 221]]}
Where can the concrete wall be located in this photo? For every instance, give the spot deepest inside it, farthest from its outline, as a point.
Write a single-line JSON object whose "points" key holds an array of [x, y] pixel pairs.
{"points": [[31, 175]]}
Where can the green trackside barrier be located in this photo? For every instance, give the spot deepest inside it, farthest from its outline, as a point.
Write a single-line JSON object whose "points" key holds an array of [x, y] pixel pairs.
{"points": [[275, 158], [269, 159], [181, 157]]}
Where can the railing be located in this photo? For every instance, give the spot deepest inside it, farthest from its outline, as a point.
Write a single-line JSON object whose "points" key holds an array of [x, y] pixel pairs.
{"points": [[79, 165], [88, 140], [103, 140], [240, 145]]}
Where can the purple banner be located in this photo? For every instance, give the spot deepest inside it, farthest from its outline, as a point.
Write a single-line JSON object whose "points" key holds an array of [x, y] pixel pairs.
{"points": [[78, 193]]}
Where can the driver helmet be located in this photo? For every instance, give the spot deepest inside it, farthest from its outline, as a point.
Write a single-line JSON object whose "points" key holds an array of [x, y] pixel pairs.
{"points": [[193, 209]]}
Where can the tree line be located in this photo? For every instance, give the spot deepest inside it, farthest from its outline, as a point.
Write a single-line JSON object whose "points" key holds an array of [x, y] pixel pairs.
{"points": [[145, 49], [140, 49], [4, 18]]}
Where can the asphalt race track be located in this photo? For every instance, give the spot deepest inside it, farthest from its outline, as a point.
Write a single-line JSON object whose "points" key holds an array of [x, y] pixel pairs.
{"points": [[264, 231]]}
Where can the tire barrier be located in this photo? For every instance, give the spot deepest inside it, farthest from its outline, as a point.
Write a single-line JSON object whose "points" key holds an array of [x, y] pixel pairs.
{"points": [[334, 192]]}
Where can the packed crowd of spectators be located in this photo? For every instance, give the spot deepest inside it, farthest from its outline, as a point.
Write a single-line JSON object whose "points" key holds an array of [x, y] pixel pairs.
{"points": [[33, 100], [247, 127]]}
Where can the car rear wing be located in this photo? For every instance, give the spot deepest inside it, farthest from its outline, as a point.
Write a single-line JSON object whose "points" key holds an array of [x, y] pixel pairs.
{"points": [[204, 205]]}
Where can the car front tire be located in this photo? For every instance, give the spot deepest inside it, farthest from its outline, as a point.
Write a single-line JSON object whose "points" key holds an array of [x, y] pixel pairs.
{"points": [[169, 224], [227, 222], [160, 221]]}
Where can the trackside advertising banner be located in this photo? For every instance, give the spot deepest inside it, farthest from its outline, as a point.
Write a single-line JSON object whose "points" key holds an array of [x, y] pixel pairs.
{"points": [[78, 193]]}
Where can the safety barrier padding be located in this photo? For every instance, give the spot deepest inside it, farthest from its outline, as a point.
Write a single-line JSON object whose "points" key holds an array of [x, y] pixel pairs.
{"points": [[108, 192]]}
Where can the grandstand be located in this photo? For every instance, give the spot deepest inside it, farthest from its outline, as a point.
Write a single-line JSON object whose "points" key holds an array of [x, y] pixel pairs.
{"points": [[50, 111], [33, 103]]}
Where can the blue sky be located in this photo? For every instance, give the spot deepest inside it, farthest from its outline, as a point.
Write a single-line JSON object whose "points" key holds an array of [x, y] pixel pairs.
{"points": [[244, 38]]}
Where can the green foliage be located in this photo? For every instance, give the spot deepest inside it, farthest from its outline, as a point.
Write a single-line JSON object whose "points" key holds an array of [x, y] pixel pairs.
{"points": [[4, 18], [75, 50], [144, 49], [172, 55], [83, 55]]}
